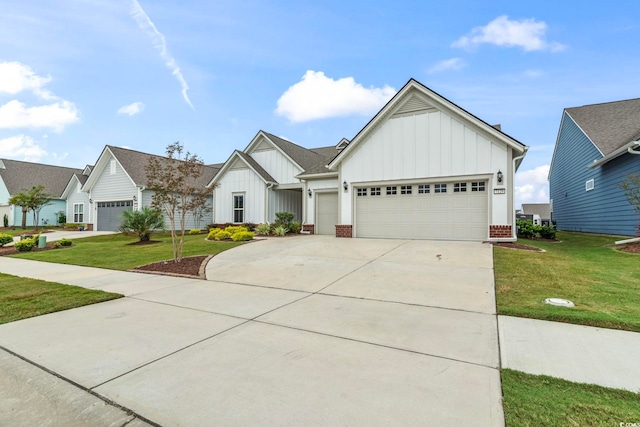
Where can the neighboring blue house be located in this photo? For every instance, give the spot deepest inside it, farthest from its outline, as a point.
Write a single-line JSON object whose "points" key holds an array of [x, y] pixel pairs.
{"points": [[597, 147], [17, 176]]}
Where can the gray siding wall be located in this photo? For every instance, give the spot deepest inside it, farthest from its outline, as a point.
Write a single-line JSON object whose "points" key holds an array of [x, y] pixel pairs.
{"points": [[79, 197], [285, 201], [113, 187], [604, 209], [190, 222], [4, 193]]}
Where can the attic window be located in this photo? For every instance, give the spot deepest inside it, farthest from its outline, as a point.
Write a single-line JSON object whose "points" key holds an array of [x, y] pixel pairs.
{"points": [[589, 185], [112, 171]]}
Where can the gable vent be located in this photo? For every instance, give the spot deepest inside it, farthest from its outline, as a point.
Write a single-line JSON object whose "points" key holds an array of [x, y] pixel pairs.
{"points": [[413, 104]]}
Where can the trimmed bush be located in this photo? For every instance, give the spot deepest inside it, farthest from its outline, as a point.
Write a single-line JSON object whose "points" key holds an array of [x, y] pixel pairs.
{"points": [[249, 226], [212, 233], [194, 231], [233, 229], [284, 219], [5, 238], [548, 232], [295, 227], [57, 245], [65, 242], [25, 245], [222, 235], [241, 236], [263, 229], [280, 231]]}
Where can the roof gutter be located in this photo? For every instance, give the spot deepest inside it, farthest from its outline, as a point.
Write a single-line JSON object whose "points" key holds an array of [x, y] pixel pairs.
{"points": [[627, 148]]}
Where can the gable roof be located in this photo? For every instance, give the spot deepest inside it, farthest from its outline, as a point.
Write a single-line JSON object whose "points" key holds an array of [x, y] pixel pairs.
{"points": [[609, 125], [249, 161], [437, 99], [305, 158], [327, 154], [134, 162], [75, 178], [18, 176]]}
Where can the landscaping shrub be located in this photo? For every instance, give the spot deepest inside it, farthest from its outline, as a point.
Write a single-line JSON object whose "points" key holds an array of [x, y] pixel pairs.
{"points": [[241, 236], [61, 218], [64, 242], [263, 229], [249, 226], [142, 222], [25, 245], [194, 231], [5, 238], [5, 221], [71, 225], [57, 245], [284, 219], [212, 233], [280, 231], [222, 235], [233, 229], [526, 229], [295, 227], [548, 232]]}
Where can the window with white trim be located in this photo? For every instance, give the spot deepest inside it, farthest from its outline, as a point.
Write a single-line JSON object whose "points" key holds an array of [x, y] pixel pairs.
{"points": [[375, 191], [440, 188], [589, 185], [460, 187], [78, 212], [238, 208], [424, 189], [478, 186], [392, 190], [405, 189], [362, 192]]}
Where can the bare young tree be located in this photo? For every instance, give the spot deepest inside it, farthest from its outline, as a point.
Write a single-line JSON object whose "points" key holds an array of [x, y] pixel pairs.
{"points": [[176, 190], [631, 187]]}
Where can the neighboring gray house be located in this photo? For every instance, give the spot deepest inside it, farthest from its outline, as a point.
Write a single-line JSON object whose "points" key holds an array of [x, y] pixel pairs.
{"points": [[597, 147], [77, 210], [541, 209], [17, 176], [118, 182]]}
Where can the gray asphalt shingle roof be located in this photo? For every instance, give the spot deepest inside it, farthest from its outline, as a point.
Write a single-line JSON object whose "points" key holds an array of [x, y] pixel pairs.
{"points": [[134, 163], [609, 125], [18, 176], [256, 166], [302, 156]]}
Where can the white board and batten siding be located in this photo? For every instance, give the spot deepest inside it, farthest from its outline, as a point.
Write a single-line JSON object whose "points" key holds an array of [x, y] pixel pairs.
{"points": [[285, 201], [240, 180], [275, 163], [424, 145], [317, 186]]}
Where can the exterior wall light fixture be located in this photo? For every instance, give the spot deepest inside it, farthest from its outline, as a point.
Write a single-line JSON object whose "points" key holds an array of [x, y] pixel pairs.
{"points": [[345, 186], [500, 176], [309, 192]]}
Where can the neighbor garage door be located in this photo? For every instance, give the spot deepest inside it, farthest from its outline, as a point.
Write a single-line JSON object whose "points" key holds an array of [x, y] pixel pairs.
{"points": [[326, 213], [446, 210], [110, 214]]}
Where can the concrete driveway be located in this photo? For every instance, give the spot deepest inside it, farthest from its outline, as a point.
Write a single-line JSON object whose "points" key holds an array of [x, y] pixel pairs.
{"points": [[295, 331]]}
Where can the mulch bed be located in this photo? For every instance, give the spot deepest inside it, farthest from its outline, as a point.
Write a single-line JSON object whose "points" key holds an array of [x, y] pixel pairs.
{"points": [[632, 248], [189, 266], [520, 246], [10, 250]]}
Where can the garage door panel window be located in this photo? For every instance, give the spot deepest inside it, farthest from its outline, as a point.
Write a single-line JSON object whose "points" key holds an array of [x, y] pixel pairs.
{"points": [[478, 186], [405, 189], [440, 188], [238, 208], [78, 212], [424, 189], [392, 190], [362, 192], [375, 191], [459, 187]]}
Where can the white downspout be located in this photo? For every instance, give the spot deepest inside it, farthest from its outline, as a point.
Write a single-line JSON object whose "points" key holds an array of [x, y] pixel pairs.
{"points": [[631, 150], [266, 202], [514, 231]]}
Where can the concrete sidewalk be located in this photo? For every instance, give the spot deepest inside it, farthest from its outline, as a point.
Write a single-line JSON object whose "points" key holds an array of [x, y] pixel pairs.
{"points": [[54, 236]]}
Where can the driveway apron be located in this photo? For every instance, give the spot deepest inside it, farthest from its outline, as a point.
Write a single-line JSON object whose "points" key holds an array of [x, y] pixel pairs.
{"points": [[293, 331]]}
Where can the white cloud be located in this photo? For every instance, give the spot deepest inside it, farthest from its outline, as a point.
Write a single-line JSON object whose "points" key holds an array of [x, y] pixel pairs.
{"points": [[16, 77], [132, 109], [528, 34], [14, 114], [160, 43], [531, 186], [446, 65], [317, 96], [21, 147]]}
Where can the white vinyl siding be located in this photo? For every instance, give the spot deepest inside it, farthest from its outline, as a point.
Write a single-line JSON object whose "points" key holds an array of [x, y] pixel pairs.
{"points": [[277, 165], [285, 201], [116, 186], [76, 198], [315, 186], [4, 193]]}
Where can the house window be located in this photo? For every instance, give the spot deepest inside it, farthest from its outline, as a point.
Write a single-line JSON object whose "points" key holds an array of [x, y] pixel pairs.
{"points": [[424, 189], [477, 186], [588, 186], [440, 188], [238, 208], [460, 187], [405, 189], [112, 171], [78, 212], [392, 190], [375, 191], [362, 192]]}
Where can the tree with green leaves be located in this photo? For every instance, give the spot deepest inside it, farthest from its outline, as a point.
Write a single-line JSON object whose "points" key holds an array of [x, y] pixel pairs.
{"points": [[176, 190], [631, 187], [142, 222], [33, 199]]}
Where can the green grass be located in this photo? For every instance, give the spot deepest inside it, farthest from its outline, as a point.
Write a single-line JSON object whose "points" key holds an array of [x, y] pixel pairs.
{"points": [[538, 400], [603, 282], [21, 298], [115, 252]]}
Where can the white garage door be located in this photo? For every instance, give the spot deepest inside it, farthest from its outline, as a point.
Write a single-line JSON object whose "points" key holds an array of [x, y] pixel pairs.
{"points": [[110, 214], [326, 213], [446, 210]]}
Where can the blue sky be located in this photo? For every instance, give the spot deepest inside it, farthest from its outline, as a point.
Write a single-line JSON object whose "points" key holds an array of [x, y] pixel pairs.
{"points": [[80, 74]]}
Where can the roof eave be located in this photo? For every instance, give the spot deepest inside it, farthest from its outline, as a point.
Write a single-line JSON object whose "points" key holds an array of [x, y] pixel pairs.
{"points": [[619, 152]]}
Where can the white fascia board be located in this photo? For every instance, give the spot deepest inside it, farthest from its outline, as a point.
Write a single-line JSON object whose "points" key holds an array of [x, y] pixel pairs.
{"points": [[317, 175], [227, 165], [69, 186], [619, 152], [102, 162]]}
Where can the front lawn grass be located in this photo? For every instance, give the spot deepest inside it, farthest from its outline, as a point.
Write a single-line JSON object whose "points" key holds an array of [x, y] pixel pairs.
{"points": [[115, 251], [538, 400], [603, 283], [21, 297]]}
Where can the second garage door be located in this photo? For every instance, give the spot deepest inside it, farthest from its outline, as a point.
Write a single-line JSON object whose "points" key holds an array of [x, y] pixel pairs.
{"points": [[326, 213], [446, 211], [110, 214]]}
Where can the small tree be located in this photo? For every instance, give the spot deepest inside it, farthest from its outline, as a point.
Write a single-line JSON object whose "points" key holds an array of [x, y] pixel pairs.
{"points": [[33, 199], [142, 222], [174, 182], [631, 187]]}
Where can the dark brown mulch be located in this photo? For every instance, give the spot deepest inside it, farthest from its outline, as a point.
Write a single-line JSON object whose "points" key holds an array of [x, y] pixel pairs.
{"points": [[10, 250], [633, 248], [512, 245], [144, 242], [189, 266]]}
